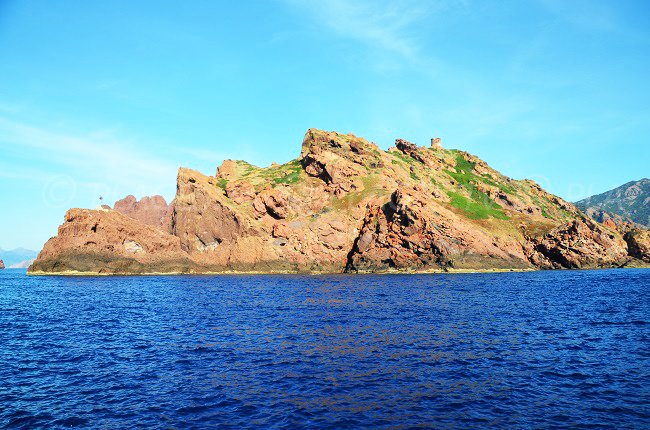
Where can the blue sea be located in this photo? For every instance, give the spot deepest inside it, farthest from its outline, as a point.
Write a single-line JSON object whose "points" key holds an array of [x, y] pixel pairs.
{"points": [[506, 350]]}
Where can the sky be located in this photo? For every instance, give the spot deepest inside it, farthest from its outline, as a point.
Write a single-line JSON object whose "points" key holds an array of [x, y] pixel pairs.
{"points": [[110, 98]]}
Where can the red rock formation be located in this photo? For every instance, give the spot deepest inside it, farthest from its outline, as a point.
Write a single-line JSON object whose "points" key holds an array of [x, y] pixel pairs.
{"points": [[343, 205], [108, 242], [610, 224], [411, 232], [240, 191], [273, 202], [337, 160], [152, 210], [579, 244], [428, 158]]}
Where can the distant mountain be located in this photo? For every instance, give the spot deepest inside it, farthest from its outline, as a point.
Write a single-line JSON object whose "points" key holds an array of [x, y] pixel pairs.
{"points": [[630, 201], [22, 265], [17, 256]]}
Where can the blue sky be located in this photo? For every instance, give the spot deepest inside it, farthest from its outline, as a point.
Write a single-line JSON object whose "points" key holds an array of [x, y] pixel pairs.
{"points": [[109, 98]]}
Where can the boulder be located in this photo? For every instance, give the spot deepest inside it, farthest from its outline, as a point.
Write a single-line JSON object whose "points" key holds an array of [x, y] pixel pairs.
{"points": [[240, 191], [273, 202]]}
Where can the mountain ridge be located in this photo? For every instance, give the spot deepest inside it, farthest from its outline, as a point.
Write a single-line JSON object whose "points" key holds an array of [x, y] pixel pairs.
{"points": [[629, 202], [343, 205], [17, 256]]}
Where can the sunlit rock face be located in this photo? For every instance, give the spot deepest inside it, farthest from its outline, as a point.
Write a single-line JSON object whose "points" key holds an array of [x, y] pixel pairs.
{"points": [[152, 210]]}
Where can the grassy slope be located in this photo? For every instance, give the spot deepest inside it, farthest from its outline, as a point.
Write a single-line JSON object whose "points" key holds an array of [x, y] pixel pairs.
{"points": [[461, 185]]}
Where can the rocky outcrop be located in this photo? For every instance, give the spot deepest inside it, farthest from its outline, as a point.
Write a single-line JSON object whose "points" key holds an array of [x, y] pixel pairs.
{"points": [[337, 159], [273, 202], [343, 205], [414, 233], [240, 191], [152, 210], [2, 264], [638, 242], [92, 241], [202, 215], [420, 154], [582, 243]]}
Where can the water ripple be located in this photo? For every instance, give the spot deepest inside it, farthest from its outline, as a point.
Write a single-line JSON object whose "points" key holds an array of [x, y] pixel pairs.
{"points": [[542, 349]]}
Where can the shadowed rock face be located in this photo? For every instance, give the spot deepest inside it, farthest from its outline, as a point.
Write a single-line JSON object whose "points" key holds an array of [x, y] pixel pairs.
{"points": [[343, 205], [638, 242]]}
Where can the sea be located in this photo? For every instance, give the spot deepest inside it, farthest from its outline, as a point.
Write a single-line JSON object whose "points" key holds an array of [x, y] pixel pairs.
{"points": [[547, 349]]}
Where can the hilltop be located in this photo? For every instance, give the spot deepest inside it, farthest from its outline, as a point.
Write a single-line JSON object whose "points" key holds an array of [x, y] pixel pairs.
{"points": [[630, 202], [342, 205]]}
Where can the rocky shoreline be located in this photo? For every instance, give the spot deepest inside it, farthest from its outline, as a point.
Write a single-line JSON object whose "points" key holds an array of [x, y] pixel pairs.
{"points": [[343, 206]]}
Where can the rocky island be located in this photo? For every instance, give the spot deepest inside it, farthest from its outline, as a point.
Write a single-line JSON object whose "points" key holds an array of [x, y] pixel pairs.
{"points": [[344, 205], [2, 264]]}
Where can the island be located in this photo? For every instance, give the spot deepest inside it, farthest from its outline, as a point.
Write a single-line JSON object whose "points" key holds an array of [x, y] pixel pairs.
{"points": [[343, 206]]}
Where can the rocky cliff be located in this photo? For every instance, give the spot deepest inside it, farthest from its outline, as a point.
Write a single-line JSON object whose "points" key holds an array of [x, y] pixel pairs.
{"points": [[343, 205], [2, 264]]}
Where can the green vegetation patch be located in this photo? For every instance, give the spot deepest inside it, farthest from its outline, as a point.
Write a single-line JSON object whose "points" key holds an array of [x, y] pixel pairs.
{"points": [[404, 158], [221, 183], [478, 205], [288, 173], [291, 176], [465, 175]]}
